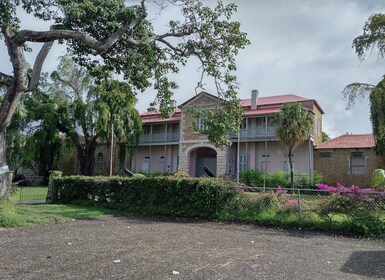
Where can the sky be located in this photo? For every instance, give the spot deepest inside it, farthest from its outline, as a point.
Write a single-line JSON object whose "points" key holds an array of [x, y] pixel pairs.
{"points": [[301, 47]]}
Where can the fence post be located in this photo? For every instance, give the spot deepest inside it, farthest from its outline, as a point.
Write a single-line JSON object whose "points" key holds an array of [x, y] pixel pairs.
{"points": [[299, 205]]}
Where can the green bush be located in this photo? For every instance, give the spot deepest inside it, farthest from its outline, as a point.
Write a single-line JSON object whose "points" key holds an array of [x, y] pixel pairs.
{"points": [[257, 178], [188, 197]]}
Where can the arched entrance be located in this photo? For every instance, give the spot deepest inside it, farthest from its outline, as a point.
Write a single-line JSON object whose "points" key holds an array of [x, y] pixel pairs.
{"points": [[203, 157]]}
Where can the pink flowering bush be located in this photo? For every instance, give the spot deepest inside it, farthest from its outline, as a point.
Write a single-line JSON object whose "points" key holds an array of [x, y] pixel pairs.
{"points": [[353, 202]]}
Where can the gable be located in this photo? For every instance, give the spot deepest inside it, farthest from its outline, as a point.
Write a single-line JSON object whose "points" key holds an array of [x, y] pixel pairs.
{"points": [[202, 100]]}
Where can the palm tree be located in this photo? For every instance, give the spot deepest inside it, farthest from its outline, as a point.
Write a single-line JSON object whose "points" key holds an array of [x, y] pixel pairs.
{"points": [[294, 123]]}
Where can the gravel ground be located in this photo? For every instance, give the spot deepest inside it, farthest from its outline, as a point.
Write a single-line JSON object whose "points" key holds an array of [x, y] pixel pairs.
{"points": [[160, 248]]}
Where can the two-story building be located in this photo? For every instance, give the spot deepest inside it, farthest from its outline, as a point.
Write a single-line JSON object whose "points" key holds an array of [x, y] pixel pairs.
{"points": [[171, 144]]}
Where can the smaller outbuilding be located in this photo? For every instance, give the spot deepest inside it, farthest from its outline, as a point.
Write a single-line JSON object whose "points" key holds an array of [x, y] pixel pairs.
{"points": [[348, 159]]}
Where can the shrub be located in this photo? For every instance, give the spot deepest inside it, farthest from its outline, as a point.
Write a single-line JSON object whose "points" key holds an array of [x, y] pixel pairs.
{"points": [[182, 174], [252, 178], [170, 195], [378, 179]]}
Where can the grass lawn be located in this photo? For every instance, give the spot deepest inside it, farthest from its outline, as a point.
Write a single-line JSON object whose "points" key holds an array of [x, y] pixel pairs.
{"points": [[28, 193], [24, 215]]}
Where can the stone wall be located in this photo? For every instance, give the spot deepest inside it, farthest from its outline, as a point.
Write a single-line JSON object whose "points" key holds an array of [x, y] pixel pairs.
{"points": [[336, 168]]}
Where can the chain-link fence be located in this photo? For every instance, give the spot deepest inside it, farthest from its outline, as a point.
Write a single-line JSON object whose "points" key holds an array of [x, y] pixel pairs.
{"points": [[306, 206]]}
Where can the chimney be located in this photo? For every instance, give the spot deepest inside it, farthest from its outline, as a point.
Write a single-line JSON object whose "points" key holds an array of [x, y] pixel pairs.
{"points": [[173, 107], [173, 103], [254, 99]]}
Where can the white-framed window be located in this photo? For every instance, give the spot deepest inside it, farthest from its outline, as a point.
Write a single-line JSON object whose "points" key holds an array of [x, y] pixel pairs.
{"points": [[201, 125], [357, 163], [99, 163], [265, 163], [242, 162], [286, 163]]}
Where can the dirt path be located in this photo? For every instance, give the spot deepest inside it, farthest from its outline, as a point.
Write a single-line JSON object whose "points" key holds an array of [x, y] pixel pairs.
{"points": [[143, 248]]}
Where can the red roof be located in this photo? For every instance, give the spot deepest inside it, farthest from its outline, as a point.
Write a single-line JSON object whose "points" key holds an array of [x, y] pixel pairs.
{"points": [[349, 142], [275, 100], [266, 106]]}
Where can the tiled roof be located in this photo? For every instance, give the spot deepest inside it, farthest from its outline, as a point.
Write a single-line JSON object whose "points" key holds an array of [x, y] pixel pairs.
{"points": [[261, 111], [278, 99], [153, 118], [348, 141], [266, 105]]}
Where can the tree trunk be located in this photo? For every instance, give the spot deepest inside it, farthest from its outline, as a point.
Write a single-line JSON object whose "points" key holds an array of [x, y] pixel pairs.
{"points": [[291, 170], [86, 155], [5, 175]]}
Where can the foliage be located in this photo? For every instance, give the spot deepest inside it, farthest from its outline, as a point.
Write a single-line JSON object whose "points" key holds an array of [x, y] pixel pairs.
{"points": [[8, 215], [33, 140], [372, 38], [213, 198], [89, 108], [294, 123], [182, 174], [378, 178], [325, 137], [257, 178], [113, 36], [377, 116], [186, 197]]}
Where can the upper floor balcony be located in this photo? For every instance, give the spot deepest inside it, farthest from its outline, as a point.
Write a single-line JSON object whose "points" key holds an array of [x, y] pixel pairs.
{"points": [[159, 138], [259, 133]]}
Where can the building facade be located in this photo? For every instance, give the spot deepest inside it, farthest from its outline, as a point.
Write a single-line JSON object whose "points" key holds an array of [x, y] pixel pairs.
{"points": [[348, 160], [171, 144]]}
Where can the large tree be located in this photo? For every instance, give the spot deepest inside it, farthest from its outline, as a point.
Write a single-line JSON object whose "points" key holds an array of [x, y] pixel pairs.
{"points": [[121, 38], [89, 108], [294, 124], [373, 37]]}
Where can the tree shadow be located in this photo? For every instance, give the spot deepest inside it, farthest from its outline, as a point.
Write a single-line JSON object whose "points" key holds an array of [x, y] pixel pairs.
{"points": [[366, 263]]}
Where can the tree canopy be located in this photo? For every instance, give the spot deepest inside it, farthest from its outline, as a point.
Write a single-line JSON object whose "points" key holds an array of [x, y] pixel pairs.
{"points": [[294, 124], [114, 36], [373, 37], [88, 108]]}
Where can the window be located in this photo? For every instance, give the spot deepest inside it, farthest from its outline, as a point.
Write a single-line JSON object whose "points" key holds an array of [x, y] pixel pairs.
{"points": [[201, 125], [242, 162], [265, 163], [242, 126], [99, 163], [146, 130], [325, 154], [357, 163], [286, 164]]}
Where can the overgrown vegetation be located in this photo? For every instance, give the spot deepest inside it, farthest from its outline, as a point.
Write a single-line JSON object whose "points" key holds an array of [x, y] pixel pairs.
{"points": [[257, 178], [8, 215], [210, 198], [187, 197]]}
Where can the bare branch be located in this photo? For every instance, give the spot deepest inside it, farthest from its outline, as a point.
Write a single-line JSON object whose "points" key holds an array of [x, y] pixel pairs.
{"points": [[37, 66], [47, 36]]}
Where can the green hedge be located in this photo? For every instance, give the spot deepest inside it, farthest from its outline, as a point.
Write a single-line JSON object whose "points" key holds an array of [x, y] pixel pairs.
{"points": [[187, 197]]}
